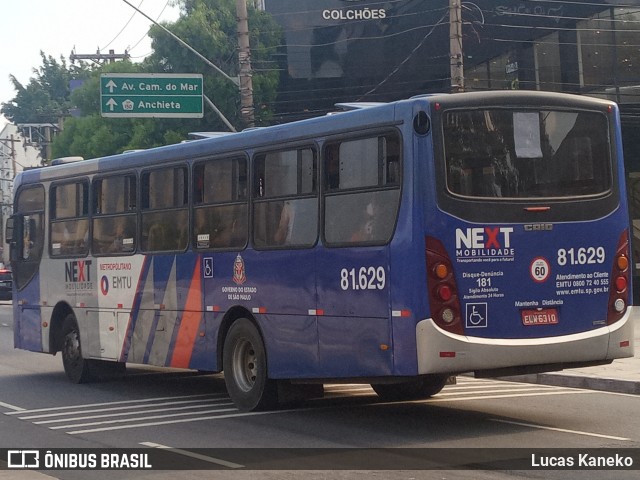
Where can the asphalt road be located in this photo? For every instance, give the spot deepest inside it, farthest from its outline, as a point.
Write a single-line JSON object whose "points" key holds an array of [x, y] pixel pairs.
{"points": [[149, 408]]}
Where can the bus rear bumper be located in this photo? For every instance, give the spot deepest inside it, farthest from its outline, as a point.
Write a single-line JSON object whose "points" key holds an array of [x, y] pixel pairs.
{"points": [[443, 352]]}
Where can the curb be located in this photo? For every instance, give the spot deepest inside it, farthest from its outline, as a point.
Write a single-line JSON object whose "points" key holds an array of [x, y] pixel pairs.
{"points": [[579, 381]]}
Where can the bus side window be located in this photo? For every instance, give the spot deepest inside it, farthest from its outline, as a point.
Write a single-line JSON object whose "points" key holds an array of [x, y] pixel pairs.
{"points": [[26, 238], [69, 219], [165, 216], [362, 190], [114, 215], [30, 206], [220, 216], [285, 205], [30, 238]]}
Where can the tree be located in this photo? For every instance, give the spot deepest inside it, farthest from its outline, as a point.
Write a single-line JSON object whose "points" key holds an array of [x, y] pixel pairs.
{"points": [[210, 27], [46, 97], [91, 135]]}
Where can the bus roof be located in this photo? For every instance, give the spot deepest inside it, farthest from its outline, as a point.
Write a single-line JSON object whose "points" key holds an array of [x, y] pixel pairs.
{"points": [[358, 115]]}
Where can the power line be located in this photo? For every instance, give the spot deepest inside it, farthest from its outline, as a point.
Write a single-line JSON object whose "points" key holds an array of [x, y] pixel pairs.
{"points": [[199, 55], [185, 44], [591, 4], [406, 59], [146, 34], [122, 29], [564, 17]]}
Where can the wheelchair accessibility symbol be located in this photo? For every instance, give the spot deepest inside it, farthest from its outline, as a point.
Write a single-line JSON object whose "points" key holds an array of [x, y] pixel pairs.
{"points": [[476, 315]]}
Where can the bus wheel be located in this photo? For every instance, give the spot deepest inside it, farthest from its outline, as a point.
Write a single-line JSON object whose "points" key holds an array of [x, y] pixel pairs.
{"points": [[245, 368], [420, 388], [76, 366]]}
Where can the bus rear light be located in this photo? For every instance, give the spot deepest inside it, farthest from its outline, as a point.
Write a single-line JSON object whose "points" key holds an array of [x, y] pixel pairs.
{"points": [[444, 293], [622, 262], [620, 281], [447, 354], [442, 290], [625, 343], [447, 316], [441, 271]]}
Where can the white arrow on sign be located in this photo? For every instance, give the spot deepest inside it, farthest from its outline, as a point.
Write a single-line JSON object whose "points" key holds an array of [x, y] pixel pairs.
{"points": [[111, 85], [111, 103]]}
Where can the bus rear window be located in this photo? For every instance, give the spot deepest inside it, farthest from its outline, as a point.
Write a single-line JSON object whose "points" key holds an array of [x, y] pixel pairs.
{"points": [[504, 153]]}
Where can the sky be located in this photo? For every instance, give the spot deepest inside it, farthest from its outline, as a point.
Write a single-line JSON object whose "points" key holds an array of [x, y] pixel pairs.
{"points": [[57, 27]]}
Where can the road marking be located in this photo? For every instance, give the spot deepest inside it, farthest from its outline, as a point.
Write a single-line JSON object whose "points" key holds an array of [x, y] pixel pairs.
{"points": [[11, 407], [447, 393], [471, 386], [185, 420], [217, 461], [128, 414], [142, 400], [563, 430], [151, 417], [342, 389], [80, 408], [123, 414]]}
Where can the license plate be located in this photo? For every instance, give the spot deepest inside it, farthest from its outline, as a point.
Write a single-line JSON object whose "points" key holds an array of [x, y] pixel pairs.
{"points": [[540, 316]]}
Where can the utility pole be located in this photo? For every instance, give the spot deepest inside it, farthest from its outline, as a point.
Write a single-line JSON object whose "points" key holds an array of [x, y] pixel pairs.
{"points": [[235, 81], [9, 142], [39, 133], [5, 188], [100, 58], [244, 62], [455, 46]]}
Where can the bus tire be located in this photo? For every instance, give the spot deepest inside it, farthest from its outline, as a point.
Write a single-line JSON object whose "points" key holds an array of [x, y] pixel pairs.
{"points": [[245, 368], [420, 388], [77, 368]]}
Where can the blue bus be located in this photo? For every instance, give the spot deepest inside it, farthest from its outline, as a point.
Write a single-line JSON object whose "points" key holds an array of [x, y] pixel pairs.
{"points": [[394, 244]]}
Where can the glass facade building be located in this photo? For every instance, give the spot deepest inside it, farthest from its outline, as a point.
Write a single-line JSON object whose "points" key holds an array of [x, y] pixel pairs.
{"points": [[366, 50]]}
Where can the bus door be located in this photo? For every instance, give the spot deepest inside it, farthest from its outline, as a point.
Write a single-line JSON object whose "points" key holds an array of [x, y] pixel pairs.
{"points": [[25, 236], [354, 332], [361, 201]]}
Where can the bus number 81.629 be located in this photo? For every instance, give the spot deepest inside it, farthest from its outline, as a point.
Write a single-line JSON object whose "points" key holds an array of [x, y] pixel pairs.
{"points": [[581, 256], [364, 278]]}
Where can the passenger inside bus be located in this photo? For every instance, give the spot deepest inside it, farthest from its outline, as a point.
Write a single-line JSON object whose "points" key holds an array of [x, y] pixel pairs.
{"points": [[298, 222], [364, 228]]}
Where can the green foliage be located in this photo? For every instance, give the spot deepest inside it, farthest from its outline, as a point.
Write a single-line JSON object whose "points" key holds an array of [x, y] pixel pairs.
{"points": [[46, 97], [210, 27]]}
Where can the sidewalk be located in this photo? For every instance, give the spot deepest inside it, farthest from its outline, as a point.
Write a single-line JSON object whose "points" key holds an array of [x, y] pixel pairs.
{"points": [[621, 376]]}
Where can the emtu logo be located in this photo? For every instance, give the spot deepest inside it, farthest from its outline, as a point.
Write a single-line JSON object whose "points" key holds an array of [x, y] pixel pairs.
{"points": [[482, 238]]}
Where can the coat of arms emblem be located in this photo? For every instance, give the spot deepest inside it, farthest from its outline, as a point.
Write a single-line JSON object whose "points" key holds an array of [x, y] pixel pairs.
{"points": [[239, 274]]}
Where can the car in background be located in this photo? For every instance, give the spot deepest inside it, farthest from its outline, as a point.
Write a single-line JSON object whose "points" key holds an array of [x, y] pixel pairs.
{"points": [[6, 284]]}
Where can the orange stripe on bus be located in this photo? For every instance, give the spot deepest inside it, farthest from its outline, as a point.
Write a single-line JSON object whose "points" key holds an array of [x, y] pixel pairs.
{"points": [[190, 323]]}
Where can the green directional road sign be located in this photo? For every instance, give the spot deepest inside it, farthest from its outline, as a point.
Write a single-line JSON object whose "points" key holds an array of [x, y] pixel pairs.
{"points": [[151, 95]]}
